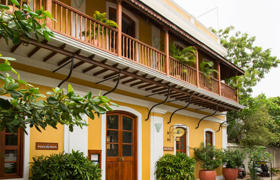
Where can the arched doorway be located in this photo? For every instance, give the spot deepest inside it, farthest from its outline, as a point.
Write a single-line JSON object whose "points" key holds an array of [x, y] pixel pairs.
{"points": [[121, 146]]}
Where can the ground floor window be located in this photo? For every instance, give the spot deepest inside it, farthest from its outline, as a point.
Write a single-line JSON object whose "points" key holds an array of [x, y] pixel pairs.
{"points": [[181, 143], [11, 154], [209, 138]]}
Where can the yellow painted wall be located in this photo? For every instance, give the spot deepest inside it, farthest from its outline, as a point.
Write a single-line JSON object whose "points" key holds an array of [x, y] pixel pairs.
{"points": [[196, 136], [50, 135], [94, 135]]}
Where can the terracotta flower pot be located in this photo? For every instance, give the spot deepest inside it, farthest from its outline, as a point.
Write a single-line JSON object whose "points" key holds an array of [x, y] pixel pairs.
{"points": [[230, 173], [207, 175]]}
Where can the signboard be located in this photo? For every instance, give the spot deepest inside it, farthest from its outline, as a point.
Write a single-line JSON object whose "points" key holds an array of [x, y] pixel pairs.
{"points": [[168, 148], [46, 146]]}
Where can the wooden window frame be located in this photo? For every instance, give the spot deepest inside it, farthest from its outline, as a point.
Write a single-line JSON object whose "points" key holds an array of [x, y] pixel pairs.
{"points": [[19, 161], [209, 133]]}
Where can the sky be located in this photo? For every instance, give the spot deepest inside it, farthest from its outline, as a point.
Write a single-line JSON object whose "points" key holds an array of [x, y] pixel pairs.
{"points": [[258, 18]]}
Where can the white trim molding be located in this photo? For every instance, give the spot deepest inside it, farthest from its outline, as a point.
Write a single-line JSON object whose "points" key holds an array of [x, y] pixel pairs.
{"points": [[78, 139], [139, 140], [211, 130], [187, 138], [156, 148]]}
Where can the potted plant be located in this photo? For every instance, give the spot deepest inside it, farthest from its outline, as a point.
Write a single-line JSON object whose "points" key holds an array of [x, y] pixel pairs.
{"points": [[209, 158], [232, 160], [101, 17], [257, 155], [179, 167], [186, 56], [207, 68]]}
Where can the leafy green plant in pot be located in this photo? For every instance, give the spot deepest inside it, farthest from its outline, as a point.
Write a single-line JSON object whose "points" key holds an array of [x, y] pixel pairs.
{"points": [[179, 167], [256, 155], [186, 56], [101, 17], [209, 158], [232, 159], [207, 68], [64, 166]]}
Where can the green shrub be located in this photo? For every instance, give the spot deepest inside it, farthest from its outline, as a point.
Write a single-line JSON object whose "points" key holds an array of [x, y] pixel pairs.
{"points": [[257, 154], [175, 167], [72, 166], [209, 157], [233, 158]]}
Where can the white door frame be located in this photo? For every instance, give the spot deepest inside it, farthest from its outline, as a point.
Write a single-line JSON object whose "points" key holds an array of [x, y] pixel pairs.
{"points": [[139, 140], [187, 138]]}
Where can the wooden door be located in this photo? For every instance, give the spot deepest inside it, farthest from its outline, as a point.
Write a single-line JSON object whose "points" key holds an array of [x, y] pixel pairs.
{"points": [[121, 146], [181, 145]]}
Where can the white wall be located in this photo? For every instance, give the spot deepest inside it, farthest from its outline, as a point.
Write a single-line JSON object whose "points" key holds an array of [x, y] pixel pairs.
{"points": [[156, 142]]}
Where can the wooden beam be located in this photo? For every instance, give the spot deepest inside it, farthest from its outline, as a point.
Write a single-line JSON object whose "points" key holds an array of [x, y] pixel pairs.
{"points": [[197, 67], [68, 57], [78, 64], [89, 68], [128, 81], [114, 73], [137, 83], [14, 48], [33, 51], [53, 53], [119, 22], [219, 79], [166, 50], [100, 72]]}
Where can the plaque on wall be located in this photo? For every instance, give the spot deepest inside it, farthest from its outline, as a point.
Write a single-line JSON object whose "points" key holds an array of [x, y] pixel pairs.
{"points": [[46, 146], [168, 148]]}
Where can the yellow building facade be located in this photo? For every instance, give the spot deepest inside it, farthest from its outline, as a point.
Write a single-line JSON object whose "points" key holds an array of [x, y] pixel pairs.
{"points": [[128, 141]]}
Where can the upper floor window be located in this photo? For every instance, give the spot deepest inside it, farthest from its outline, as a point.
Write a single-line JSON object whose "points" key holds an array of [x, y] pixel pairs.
{"points": [[11, 150], [209, 138]]}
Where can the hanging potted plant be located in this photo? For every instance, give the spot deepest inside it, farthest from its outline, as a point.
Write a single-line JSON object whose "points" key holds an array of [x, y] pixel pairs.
{"points": [[186, 56], [209, 158], [232, 160]]}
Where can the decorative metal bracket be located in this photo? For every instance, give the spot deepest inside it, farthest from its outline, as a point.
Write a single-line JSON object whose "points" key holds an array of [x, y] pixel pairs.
{"points": [[117, 84], [187, 105], [164, 101], [204, 117], [70, 72], [220, 126]]}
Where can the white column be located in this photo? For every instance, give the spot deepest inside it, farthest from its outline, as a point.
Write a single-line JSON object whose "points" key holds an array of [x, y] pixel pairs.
{"points": [[76, 140], [224, 134], [156, 142]]}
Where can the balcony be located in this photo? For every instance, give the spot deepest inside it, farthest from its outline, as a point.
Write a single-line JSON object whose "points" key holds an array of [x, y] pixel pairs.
{"points": [[82, 27]]}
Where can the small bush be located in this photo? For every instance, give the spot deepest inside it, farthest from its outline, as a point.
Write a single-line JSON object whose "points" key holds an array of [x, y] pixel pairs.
{"points": [[179, 167], [209, 157], [72, 166], [233, 158]]}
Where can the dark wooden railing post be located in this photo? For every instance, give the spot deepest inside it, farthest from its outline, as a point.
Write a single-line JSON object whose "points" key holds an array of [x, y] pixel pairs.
{"points": [[219, 79], [197, 67], [119, 22], [49, 8], [166, 50]]}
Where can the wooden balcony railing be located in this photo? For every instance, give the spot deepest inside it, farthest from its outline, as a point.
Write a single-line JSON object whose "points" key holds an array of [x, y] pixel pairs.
{"points": [[142, 53], [79, 26], [210, 84], [228, 92], [182, 71]]}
